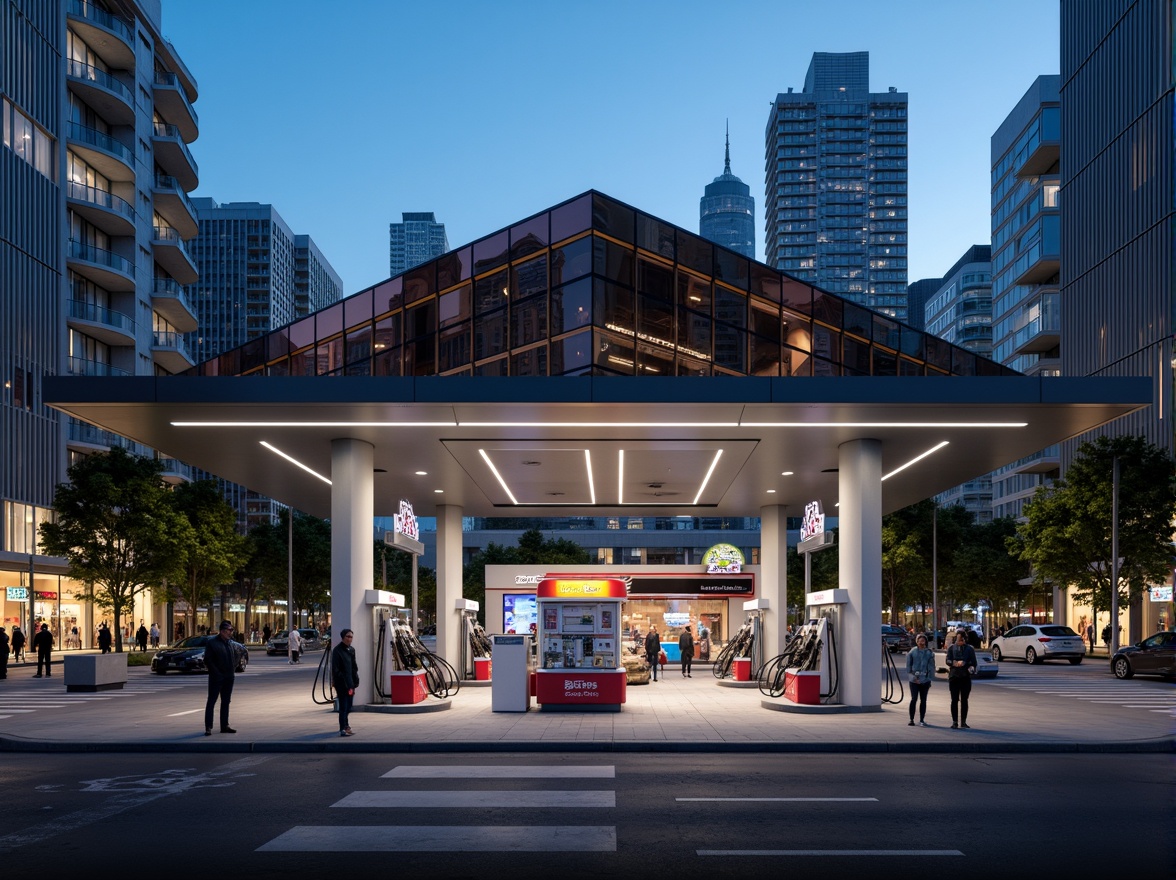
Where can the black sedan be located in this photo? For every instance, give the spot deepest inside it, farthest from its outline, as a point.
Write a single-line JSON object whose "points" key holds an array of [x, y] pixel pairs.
{"points": [[1153, 656], [188, 656]]}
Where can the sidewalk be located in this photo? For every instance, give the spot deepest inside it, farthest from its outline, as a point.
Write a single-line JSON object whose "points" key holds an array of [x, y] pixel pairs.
{"points": [[274, 711]]}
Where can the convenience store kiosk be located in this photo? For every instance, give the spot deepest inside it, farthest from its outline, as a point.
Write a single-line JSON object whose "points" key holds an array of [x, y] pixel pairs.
{"points": [[580, 643]]}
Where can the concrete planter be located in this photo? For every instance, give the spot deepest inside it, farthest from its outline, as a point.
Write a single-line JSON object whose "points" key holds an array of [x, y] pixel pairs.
{"points": [[87, 673]]}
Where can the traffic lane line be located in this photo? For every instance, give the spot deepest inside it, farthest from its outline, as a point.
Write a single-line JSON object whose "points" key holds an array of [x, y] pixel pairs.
{"points": [[445, 838], [478, 799]]}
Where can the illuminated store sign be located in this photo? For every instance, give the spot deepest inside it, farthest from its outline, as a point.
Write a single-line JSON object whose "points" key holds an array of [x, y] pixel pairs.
{"points": [[581, 588], [18, 594], [813, 523], [405, 522], [723, 559]]}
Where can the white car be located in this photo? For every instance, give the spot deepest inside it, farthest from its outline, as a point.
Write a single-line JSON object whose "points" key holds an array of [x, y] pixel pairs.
{"points": [[985, 664], [1037, 643]]}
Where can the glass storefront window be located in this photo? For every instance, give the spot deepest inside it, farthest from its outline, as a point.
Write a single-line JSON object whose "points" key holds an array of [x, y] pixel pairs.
{"points": [[707, 619]]}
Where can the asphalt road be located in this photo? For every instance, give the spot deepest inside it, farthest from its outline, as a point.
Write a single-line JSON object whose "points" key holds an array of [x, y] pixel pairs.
{"points": [[588, 815]]}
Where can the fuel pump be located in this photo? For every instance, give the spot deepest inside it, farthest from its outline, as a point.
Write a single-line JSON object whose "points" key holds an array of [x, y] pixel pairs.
{"points": [[384, 605], [468, 610], [823, 610], [756, 610]]}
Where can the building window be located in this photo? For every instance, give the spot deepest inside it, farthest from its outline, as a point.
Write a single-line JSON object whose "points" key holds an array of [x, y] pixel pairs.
{"points": [[26, 139]]}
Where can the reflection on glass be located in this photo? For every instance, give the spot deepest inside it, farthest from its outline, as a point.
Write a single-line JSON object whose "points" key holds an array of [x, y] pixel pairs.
{"points": [[532, 362], [530, 277], [572, 218], [765, 356], [613, 261], [614, 354], [528, 321], [694, 293], [491, 292], [571, 261], [572, 353], [571, 306], [612, 218], [528, 236], [358, 308], [490, 252], [490, 334], [454, 347], [455, 305]]}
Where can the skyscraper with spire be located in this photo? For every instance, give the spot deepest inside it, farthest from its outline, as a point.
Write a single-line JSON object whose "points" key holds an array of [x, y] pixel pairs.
{"points": [[726, 211]]}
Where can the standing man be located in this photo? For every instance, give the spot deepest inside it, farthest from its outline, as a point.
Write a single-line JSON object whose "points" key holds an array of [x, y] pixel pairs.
{"points": [[43, 643], [221, 659], [345, 678], [295, 645], [104, 638], [3, 653], [653, 649], [961, 663], [1090, 635], [686, 647]]}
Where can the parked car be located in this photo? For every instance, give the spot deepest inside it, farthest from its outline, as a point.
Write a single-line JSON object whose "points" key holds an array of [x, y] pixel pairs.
{"points": [[188, 656], [1038, 643], [1155, 655], [280, 643], [986, 666], [897, 639]]}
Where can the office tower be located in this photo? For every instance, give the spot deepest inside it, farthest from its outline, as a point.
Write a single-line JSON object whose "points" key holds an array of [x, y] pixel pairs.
{"points": [[726, 211], [97, 115], [836, 185], [1026, 256], [918, 292], [1118, 223], [256, 275], [417, 238], [960, 311]]}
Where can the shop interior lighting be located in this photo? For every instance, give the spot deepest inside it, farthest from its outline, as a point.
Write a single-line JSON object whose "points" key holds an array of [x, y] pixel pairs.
{"points": [[295, 462], [903, 467]]}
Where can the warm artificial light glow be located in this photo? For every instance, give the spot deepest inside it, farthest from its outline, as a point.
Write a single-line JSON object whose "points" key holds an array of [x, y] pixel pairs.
{"points": [[497, 476], [711, 470], [591, 484]]}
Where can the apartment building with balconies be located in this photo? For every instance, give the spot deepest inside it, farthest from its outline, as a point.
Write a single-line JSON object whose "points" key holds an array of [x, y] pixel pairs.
{"points": [[97, 117]]}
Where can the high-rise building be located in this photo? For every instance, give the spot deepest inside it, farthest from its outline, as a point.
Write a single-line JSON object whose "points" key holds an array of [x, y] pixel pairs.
{"points": [[960, 311], [1026, 256], [255, 275], [1118, 223], [726, 211], [836, 189], [416, 238], [918, 292], [96, 112]]}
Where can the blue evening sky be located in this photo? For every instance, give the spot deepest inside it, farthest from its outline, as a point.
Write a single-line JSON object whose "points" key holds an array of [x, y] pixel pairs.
{"points": [[344, 115]]}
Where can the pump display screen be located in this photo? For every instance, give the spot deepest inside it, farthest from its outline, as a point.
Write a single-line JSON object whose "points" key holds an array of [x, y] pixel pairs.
{"points": [[519, 613]]}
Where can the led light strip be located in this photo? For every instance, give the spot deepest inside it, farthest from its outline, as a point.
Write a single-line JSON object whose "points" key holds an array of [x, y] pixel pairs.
{"points": [[711, 470], [591, 484], [456, 424], [917, 458], [497, 476], [295, 462]]}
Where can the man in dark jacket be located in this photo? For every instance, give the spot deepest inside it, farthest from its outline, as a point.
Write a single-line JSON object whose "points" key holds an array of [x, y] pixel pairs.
{"points": [[961, 663], [104, 638], [653, 649], [686, 647], [3, 653], [220, 658], [345, 678], [43, 644]]}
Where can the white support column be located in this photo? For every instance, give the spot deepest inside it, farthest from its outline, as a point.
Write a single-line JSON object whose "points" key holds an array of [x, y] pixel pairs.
{"points": [[352, 552], [449, 585], [860, 520], [773, 584]]}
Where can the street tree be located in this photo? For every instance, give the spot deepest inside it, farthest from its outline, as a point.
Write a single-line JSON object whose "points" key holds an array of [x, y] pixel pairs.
{"points": [[982, 570], [397, 565], [823, 574], [1067, 533], [532, 549], [214, 551], [312, 560], [117, 526]]}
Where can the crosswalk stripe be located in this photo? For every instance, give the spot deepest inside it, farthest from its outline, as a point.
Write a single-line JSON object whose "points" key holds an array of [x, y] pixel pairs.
{"points": [[518, 771], [445, 838], [478, 799], [829, 852]]}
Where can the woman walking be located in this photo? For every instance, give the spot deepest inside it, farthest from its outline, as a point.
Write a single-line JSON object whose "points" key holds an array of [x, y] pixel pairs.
{"points": [[920, 671]]}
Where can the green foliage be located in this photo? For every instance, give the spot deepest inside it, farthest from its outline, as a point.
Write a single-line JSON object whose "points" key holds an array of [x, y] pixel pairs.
{"points": [[399, 567], [823, 574], [118, 528], [312, 559], [214, 551], [532, 549], [1067, 535]]}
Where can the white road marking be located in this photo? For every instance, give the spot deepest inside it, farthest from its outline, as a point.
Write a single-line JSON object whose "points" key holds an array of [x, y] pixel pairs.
{"points": [[445, 838], [829, 852], [189, 712], [782, 799], [519, 771], [478, 799]]}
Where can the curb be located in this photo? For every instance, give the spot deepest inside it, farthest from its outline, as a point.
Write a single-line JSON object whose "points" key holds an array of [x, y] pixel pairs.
{"points": [[1162, 746]]}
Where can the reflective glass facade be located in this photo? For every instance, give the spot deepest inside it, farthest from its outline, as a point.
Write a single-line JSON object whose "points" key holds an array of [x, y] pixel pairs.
{"points": [[596, 287]]}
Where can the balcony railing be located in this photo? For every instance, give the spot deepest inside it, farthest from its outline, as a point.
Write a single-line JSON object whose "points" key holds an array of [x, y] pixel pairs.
{"points": [[84, 367], [78, 70], [171, 236], [169, 183], [170, 288], [81, 251], [167, 130], [90, 12], [84, 135], [86, 311], [100, 197], [166, 78], [170, 339]]}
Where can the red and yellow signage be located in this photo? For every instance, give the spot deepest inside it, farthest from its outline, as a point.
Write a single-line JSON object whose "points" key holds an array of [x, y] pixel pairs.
{"points": [[581, 588]]}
